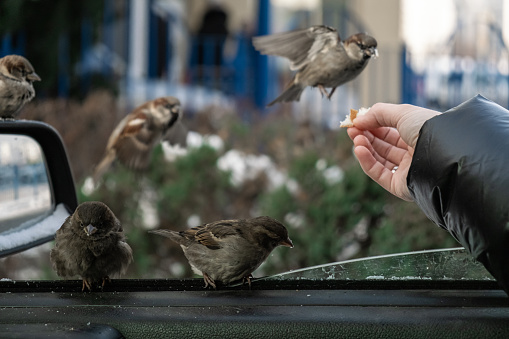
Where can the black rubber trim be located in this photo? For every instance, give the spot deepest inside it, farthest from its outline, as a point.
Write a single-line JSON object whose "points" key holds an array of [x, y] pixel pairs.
{"points": [[151, 285], [60, 174], [272, 313], [59, 331]]}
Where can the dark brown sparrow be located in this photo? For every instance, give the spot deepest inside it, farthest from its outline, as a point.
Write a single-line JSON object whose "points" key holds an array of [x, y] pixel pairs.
{"points": [[229, 250], [319, 56], [16, 89], [133, 140], [91, 244]]}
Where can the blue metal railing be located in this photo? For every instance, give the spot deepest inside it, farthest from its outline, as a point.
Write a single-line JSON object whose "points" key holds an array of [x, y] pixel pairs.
{"points": [[231, 65], [456, 80], [13, 178]]}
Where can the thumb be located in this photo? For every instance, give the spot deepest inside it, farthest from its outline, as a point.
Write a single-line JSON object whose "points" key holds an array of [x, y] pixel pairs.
{"points": [[407, 119]]}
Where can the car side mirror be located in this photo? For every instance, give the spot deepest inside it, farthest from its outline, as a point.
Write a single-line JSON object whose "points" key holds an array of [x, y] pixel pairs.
{"points": [[37, 190]]}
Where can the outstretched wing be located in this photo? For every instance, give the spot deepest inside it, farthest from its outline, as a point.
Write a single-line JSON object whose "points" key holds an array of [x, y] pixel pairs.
{"points": [[299, 46]]}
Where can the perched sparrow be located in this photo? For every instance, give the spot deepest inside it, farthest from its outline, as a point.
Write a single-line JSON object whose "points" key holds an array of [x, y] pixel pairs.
{"points": [[91, 244], [319, 56], [133, 140], [16, 89], [229, 250]]}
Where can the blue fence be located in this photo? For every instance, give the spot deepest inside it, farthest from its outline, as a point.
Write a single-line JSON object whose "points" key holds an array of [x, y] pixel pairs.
{"points": [[445, 81], [230, 65], [13, 178]]}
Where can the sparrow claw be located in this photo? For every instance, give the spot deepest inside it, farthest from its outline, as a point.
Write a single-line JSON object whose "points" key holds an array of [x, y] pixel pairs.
{"points": [[323, 91], [208, 281], [106, 278], [248, 278], [331, 92], [86, 284]]}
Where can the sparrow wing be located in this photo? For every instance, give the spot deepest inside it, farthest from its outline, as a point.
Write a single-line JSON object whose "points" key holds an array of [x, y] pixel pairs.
{"points": [[210, 235], [299, 46], [133, 153], [129, 125], [134, 124], [116, 132], [134, 141]]}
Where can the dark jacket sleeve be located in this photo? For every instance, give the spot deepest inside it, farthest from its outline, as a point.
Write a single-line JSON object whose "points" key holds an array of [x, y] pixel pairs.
{"points": [[459, 177]]}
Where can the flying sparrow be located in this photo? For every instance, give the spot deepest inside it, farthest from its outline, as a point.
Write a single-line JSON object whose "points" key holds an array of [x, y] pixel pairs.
{"points": [[133, 140], [319, 56], [91, 244], [16, 89], [229, 250]]}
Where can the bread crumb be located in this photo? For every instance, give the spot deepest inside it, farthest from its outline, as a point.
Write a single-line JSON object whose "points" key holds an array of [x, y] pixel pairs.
{"points": [[348, 122]]}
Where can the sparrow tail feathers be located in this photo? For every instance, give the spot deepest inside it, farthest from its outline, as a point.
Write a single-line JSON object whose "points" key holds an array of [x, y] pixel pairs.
{"points": [[292, 93], [169, 234], [104, 165]]}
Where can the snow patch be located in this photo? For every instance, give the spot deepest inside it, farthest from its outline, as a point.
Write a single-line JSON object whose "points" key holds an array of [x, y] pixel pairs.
{"points": [[47, 227]]}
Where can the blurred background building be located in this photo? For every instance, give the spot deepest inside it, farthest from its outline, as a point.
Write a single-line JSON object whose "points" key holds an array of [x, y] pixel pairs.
{"points": [[433, 53]]}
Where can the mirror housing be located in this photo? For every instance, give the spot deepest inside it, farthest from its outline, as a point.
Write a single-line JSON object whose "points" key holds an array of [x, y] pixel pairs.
{"points": [[61, 184]]}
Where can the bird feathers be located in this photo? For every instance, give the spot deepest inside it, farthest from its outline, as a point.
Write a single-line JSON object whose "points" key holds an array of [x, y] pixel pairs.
{"points": [[16, 89], [299, 46], [291, 93], [136, 135], [229, 250], [104, 165], [208, 235], [95, 256], [320, 58]]}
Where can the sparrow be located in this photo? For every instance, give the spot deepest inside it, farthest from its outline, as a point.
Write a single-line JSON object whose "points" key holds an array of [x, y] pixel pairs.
{"points": [[319, 56], [16, 77], [91, 244], [229, 250], [133, 140]]}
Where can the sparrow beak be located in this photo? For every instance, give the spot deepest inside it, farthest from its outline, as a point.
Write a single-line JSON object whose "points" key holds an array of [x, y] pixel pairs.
{"points": [[89, 230], [33, 77], [175, 109], [372, 52], [287, 243]]}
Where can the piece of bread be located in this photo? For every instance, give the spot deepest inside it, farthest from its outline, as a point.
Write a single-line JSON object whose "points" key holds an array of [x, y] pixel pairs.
{"points": [[348, 122]]}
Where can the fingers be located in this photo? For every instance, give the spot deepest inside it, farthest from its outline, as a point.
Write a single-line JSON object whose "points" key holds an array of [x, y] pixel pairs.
{"points": [[407, 119], [378, 152], [373, 168], [381, 173], [384, 144], [385, 137], [390, 136]]}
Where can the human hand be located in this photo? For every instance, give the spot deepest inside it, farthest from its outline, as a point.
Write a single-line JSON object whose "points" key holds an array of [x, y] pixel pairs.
{"points": [[384, 141]]}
